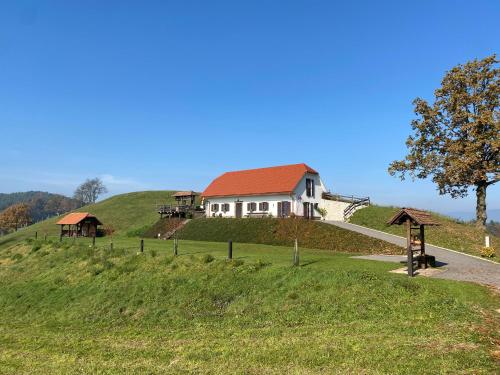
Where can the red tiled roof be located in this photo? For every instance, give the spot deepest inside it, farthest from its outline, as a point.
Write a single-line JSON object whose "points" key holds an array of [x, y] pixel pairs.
{"points": [[272, 180], [75, 218]]}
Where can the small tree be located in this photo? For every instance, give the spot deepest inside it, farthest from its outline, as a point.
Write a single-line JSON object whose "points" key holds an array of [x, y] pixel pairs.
{"points": [[322, 211], [15, 217], [456, 139], [89, 191], [294, 229]]}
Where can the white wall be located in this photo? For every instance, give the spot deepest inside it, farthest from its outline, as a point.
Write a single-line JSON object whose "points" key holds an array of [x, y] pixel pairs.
{"points": [[300, 194], [335, 209], [271, 199]]}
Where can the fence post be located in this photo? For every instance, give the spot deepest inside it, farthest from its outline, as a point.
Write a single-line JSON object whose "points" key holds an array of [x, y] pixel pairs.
{"points": [[111, 246], [93, 241], [409, 248], [45, 237], [296, 253], [60, 237], [230, 250], [175, 246], [142, 245], [36, 235]]}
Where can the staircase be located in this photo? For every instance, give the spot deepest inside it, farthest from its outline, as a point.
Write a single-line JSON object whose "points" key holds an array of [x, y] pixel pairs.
{"points": [[356, 204], [171, 233]]}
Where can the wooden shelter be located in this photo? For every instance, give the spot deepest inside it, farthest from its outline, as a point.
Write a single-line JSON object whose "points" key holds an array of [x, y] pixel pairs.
{"points": [[415, 221], [79, 224]]}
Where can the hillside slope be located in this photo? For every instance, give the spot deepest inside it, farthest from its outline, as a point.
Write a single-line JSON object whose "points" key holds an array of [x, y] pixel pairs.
{"points": [[125, 212], [450, 233], [73, 309], [271, 231]]}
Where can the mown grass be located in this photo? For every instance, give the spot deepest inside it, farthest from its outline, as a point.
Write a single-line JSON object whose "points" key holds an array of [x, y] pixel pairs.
{"points": [[450, 234], [69, 308], [267, 231], [132, 212]]}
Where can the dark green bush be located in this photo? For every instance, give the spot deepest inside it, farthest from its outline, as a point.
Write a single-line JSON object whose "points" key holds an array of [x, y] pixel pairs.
{"points": [[207, 258]]}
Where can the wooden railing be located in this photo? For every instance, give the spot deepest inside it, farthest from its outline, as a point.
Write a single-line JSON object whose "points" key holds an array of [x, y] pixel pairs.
{"points": [[355, 203]]}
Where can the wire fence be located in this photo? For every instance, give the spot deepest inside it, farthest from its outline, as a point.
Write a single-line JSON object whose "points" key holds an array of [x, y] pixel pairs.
{"points": [[131, 245]]}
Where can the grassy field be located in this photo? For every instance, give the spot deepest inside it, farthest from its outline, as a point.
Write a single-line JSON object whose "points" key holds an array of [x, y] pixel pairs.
{"points": [[127, 213], [69, 308], [267, 231], [450, 233]]}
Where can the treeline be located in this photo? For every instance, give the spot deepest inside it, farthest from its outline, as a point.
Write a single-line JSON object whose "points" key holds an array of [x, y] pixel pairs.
{"points": [[41, 204]]}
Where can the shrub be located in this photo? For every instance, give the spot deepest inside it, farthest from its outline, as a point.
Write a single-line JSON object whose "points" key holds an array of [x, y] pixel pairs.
{"points": [[488, 252], [207, 258], [36, 247], [238, 262], [17, 256]]}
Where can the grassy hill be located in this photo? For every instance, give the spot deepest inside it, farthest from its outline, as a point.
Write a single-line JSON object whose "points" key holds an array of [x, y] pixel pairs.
{"points": [[126, 213], [134, 215], [269, 231], [450, 233], [69, 308]]}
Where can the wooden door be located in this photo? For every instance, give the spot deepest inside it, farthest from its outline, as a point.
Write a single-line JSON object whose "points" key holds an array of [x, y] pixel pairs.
{"points": [[306, 210], [239, 209]]}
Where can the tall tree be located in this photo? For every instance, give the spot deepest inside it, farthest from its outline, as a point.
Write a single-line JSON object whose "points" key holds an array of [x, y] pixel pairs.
{"points": [[15, 216], [456, 139], [89, 191]]}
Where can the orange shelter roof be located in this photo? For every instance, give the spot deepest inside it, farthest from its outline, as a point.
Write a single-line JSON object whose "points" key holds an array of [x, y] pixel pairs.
{"points": [[273, 180], [75, 218]]}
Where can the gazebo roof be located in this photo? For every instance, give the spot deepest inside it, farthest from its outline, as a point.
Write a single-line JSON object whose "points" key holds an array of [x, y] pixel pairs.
{"points": [[184, 194], [418, 217], [76, 217]]}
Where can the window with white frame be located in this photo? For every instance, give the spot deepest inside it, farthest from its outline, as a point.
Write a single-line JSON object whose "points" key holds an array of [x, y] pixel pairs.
{"points": [[215, 207], [263, 206], [224, 207], [251, 207]]}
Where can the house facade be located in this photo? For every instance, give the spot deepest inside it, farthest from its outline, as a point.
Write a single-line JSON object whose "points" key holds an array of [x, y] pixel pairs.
{"points": [[275, 191]]}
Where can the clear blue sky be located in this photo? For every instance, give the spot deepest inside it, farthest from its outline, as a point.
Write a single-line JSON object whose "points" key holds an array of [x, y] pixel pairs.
{"points": [[169, 94]]}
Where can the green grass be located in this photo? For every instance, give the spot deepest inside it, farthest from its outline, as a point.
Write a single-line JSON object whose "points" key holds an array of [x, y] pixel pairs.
{"points": [[451, 233], [132, 212], [69, 308], [266, 231]]}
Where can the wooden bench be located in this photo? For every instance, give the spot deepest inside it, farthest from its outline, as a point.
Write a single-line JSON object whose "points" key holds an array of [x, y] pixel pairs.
{"points": [[257, 214]]}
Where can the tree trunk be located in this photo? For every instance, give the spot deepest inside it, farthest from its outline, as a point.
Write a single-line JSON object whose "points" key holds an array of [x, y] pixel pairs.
{"points": [[481, 205]]}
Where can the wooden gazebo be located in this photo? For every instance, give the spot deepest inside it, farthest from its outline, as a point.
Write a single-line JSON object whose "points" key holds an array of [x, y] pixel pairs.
{"points": [[415, 221], [185, 203], [79, 224]]}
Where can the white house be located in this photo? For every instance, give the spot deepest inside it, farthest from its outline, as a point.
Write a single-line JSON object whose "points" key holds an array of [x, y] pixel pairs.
{"points": [[274, 191]]}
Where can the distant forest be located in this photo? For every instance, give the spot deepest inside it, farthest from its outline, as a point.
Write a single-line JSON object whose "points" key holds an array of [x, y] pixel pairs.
{"points": [[42, 204]]}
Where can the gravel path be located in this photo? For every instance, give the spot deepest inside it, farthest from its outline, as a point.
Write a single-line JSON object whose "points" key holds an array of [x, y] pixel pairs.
{"points": [[458, 266]]}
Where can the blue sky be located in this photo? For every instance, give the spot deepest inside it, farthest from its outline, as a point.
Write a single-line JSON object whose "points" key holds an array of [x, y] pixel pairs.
{"points": [[169, 94]]}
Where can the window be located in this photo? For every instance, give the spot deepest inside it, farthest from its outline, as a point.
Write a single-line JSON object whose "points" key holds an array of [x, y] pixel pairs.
{"points": [[310, 187], [215, 207], [251, 207], [263, 206], [224, 207]]}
